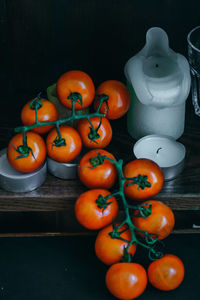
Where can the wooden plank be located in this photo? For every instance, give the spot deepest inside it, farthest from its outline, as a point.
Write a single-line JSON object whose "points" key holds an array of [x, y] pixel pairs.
{"points": [[182, 193]]}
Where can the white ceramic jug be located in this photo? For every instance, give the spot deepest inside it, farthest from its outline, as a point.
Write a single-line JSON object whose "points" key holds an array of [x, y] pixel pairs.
{"points": [[159, 82]]}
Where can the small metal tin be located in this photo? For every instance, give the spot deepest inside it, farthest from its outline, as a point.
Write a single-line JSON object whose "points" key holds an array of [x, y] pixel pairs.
{"points": [[13, 181], [174, 169], [63, 170]]}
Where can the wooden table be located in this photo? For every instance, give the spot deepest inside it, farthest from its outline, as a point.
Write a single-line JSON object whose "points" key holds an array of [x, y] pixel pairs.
{"points": [[49, 209]]}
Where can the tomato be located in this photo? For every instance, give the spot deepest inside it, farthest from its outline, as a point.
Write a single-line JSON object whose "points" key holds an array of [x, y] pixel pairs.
{"points": [[68, 148], [98, 136], [93, 211], [160, 222], [166, 273], [147, 179], [26, 159], [101, 176], [75, 85], [46, 112], [117, 99], [126, 280], [110, 250]]}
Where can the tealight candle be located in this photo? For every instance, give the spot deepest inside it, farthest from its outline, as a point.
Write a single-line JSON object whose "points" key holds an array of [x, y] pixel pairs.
{"points": [[165, 151], [63, 170], [13, 181]]}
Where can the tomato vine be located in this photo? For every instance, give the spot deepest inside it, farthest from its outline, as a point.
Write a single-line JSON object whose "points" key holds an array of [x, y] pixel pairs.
{"points": [[144, 211]]}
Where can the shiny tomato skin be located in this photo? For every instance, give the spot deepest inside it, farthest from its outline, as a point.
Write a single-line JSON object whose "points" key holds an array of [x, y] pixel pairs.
{"points": [[47, 112], [166, 273], [118, 102], [68, 152], [102, 176], [90, 215], [126, 280], [110, 250], [30, 163], [76, 82], [144, 167], [105, 132], [160, 222]]}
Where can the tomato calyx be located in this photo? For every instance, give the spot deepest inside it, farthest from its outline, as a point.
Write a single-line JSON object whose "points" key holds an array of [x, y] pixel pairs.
{"points": [[96, 161], [144, 210], [23, 150], [36, 103], [93, 134], [75, 97], [103, 98], [154, 255], [59, 142], [140, 180], [127, 257], [102, 202]]}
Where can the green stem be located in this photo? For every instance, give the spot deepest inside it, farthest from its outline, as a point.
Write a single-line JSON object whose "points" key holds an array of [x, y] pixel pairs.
{"points": [[133, 229], [102, 98], [58, 131], [59, 122]]}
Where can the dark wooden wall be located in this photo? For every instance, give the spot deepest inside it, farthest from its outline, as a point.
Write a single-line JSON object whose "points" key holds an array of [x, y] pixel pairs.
{"points": [[41, 39]]}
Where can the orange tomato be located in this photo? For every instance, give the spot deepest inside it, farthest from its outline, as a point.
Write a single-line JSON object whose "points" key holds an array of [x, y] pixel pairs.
{"points": [[110, 250], [160, 222], [117, 99], [166, 273], [93, 212], [75, 84], [103, 175], [46, 112], [100, 137], [126, 280], [69, 149], [147, 179], [35, 152]]}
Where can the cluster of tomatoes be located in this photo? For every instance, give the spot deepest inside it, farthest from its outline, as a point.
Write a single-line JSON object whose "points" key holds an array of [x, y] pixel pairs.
{"points": [[27, 150], [43, 134], [97, 208]]}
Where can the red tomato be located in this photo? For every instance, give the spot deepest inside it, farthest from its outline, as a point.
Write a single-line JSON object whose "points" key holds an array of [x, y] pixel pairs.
{"points": [[70, 147], [160, 222], [103, 175], [93, 211], [75, 84], [117, 99], [166, 273], [35, 152], [101, 134], [148, 178], [110, 250], [46, 112], [126, 280]]}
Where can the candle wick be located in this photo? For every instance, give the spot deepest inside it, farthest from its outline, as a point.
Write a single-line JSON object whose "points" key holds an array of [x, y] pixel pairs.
{"points": [[156, 65], [158, 150]]}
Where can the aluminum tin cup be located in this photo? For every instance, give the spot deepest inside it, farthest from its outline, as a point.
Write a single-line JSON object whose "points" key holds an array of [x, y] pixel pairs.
{"points": [[63, 170], [13, 181], [173, 170]]}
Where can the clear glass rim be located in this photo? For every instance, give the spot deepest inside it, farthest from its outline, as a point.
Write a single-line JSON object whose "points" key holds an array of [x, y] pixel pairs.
{"points": [[189, 36]]}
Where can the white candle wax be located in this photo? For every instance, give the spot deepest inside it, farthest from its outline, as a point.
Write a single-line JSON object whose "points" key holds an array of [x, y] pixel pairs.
{"points": [[159, 83], [164, 150]]}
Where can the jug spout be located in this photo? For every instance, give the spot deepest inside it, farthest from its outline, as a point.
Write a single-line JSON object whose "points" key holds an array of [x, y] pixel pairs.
{"points": [[157, 43], [159, 76]]}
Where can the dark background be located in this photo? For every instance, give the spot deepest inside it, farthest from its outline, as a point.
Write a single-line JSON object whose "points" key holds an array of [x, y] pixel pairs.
{"points": [[41, 39]]}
